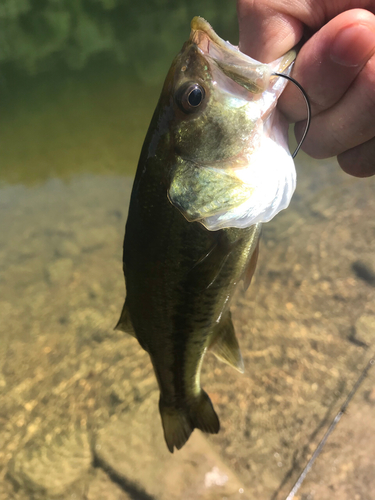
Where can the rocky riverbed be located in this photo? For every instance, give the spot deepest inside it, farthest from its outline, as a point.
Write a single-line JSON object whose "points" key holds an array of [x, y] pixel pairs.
{"points": [[78, 400]]}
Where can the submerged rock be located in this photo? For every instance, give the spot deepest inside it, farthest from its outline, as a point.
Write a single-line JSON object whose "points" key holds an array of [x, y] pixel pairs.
{"points": [[60, 271], [365, 329], [52, 469]]}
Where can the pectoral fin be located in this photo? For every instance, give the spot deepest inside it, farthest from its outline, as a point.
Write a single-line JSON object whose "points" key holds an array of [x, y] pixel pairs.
{"points": [[200, 192], [209, 266], [250, 270], [207, 269], [225, 344], [124, 323]]}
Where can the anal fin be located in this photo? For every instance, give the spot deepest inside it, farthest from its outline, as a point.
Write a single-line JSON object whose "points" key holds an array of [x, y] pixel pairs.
{"points": [[225, 344], [124, 323]]}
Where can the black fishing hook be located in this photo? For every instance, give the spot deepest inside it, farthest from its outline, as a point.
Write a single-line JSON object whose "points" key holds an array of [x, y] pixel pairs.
{"points": [[305, 96]]}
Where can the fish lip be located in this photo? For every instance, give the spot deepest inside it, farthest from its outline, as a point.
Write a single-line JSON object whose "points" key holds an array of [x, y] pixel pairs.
{"points": [[201, 27], [202, 31], [248, 72]]}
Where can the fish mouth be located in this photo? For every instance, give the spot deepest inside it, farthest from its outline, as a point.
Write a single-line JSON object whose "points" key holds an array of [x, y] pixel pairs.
{"points": [[253, 75]]}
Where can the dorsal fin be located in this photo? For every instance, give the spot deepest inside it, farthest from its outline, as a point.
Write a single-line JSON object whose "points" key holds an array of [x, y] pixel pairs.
{"points": [[225, 344], [250, 270], [125, 323]]}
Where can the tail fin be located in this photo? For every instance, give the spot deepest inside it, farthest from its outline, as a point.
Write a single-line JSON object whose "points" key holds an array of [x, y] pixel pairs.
{"points": [[179, 423]]}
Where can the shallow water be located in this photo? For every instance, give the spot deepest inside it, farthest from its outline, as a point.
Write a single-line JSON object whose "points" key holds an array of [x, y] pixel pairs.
{"points": [[62, 125], [78, 412]]}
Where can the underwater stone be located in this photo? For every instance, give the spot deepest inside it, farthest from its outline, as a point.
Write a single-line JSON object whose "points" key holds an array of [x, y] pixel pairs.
{"points": [[91, 324], [52, 468], [94, 238], [60, 271], [365, 329], [68, 248]]}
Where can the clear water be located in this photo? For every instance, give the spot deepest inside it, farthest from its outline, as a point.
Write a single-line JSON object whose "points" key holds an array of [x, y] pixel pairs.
{"points": [[78, 401]]}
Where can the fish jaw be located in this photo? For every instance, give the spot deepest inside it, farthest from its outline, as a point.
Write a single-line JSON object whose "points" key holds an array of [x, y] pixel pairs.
{"points": [[246, 71]]}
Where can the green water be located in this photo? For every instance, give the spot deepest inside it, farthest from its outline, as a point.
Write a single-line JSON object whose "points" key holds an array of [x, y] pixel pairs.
{"points": [[78, 400], [63, 125]]}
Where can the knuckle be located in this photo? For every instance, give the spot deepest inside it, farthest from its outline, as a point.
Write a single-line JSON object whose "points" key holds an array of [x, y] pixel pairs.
{"points": [[359, 161]]}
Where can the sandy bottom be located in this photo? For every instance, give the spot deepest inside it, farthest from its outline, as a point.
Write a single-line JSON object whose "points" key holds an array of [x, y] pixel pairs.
{"points": [[78, 412]]}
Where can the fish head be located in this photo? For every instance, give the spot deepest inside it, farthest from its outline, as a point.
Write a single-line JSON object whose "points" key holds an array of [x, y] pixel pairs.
{"points": [[211, 93], [222, 121]]}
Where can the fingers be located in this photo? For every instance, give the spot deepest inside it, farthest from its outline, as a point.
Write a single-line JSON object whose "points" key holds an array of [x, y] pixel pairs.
{"points": [[336, 67], [359, 161], [269, 28], [350, 122], [266, 33], [329, 62]]}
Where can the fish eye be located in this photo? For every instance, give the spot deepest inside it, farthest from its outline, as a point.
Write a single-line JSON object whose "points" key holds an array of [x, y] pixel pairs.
{"points": [[195, 96], [190, 97]]}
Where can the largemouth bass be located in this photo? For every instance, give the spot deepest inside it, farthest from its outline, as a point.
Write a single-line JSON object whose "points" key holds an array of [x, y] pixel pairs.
{"points": [[214, 166]]}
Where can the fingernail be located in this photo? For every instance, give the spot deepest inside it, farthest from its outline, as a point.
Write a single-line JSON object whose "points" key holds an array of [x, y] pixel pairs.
{"points": [[353, 45]]}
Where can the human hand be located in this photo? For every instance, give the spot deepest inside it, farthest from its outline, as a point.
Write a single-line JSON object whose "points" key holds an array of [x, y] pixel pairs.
{"points": [[336, 67]]}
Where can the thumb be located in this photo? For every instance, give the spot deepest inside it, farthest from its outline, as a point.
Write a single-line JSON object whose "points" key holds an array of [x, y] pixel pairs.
{"points": [[265, 33]]}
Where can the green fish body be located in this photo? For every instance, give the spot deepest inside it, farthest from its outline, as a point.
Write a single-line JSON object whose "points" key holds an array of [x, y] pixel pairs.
{"points": [[184, 249]]}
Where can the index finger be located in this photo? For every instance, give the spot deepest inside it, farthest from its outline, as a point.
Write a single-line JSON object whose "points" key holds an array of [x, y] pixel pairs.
{"points": [[266, 32], [269, 28]]}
